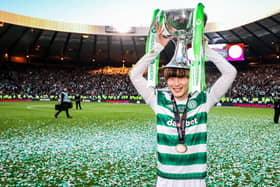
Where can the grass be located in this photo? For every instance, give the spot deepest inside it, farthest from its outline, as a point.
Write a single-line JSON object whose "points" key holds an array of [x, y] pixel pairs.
{"points": [[114, 145]]}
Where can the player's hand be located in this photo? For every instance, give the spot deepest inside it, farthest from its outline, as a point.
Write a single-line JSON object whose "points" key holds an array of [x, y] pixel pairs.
{"points": [[160, 37]]}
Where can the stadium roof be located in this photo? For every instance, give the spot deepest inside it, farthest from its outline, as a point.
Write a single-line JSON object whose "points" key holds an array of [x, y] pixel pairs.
{"points": [[224, 14], [50, 41]]}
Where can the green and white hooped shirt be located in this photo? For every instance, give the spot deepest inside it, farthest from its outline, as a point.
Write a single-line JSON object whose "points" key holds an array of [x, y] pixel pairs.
{"points": [[171, 164]]}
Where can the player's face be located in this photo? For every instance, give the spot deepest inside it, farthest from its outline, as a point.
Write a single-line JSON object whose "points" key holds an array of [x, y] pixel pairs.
{"points": [[178, 87]]}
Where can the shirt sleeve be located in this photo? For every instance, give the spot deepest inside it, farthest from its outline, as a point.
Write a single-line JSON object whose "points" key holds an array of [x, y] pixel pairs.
{"points": [[141, 83], [228, 74]]}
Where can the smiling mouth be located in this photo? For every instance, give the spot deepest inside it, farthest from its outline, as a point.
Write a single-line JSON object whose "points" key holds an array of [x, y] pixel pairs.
{"points": [[177, 89]]}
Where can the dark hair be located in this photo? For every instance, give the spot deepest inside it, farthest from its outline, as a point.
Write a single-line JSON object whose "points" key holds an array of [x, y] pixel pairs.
{"points": [[175, 72]]}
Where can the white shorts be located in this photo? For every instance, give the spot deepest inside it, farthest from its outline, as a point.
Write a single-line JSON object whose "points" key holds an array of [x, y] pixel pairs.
{"points": [[163, 182]]}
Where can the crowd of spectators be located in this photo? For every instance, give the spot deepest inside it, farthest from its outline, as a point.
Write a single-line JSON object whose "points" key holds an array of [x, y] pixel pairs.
{"points": [[253, 82], [50, 81]]}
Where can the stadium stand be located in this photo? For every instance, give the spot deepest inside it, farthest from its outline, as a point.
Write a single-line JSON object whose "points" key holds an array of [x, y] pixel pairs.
{"points": [[18, 81]]}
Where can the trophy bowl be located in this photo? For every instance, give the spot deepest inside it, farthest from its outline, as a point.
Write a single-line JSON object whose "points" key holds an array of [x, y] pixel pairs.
{"points": [[178, 22]]}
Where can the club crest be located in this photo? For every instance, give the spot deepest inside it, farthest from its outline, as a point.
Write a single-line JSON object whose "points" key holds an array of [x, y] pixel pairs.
{"points": [[192, 104]]}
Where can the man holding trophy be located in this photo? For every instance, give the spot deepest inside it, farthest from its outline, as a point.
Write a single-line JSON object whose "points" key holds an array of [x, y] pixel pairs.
{"points": [[181, 111]]}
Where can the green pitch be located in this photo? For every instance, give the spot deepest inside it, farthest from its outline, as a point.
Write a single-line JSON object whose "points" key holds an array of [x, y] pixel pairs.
{"points": [[114, 145]]}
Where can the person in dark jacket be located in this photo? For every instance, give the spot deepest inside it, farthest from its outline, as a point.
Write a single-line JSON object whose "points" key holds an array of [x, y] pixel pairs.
{"points": [[276, 109], [78, 101], [65, 104]]}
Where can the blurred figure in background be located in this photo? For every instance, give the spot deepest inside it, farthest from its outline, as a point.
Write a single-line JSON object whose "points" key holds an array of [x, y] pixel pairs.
{"points": [[276, 108], [78, 101], [65, 104]]}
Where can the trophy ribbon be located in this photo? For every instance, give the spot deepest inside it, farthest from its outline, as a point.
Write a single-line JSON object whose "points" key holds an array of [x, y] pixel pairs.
{"points": [[197, 69], [150, 44]]}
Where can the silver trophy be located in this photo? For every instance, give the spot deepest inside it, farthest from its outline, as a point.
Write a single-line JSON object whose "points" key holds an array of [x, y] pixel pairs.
{"points": [[178, 23], [187, 27]]}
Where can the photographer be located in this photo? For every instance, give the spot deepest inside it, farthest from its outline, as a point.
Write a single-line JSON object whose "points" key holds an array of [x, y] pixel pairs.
{"points": [[65, 104]]}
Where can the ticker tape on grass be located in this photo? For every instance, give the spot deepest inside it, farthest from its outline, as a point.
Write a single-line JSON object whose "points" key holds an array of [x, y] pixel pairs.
{"points": [[243, 150]]}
